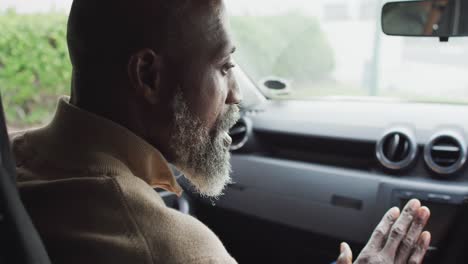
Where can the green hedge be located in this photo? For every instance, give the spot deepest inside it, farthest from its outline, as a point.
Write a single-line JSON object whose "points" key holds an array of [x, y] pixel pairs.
{"points": [[35, 68]]}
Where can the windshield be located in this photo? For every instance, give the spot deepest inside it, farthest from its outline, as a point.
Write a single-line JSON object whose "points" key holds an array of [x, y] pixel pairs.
{"points": [[319, 49], [336, 48]]}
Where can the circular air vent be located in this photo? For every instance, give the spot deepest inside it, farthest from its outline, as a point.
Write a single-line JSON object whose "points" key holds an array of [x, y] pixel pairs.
{"points": [[446, 153], [239, 134], [396, 150]]}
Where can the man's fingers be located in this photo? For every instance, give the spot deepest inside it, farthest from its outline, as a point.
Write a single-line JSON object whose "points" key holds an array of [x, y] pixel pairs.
{"points": [[408, 243], [420, 249], [381, 231], [346, 256], [399, 229]]}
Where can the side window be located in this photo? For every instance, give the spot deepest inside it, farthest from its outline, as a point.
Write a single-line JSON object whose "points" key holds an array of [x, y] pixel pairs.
{"points": [[34, 64]]}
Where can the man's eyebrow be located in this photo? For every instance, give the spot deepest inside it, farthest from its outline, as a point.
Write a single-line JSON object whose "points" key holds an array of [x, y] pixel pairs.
{"points": [[228, 50], [225, 51]]}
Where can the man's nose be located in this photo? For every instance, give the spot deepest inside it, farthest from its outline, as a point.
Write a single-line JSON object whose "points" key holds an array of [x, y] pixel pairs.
{"points": [[234, 95]]}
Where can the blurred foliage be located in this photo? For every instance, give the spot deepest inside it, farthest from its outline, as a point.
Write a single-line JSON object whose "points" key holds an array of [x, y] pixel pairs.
{"points": [[35, 67], [290, 46]]}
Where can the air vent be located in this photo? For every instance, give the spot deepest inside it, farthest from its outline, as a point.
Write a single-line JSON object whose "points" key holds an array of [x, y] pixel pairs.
{"points": [[397, 149], [239, 134], [446, 153]]}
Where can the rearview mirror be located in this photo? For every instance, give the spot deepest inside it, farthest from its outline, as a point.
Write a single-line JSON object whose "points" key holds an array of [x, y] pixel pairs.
{"points": [[436, 18]]}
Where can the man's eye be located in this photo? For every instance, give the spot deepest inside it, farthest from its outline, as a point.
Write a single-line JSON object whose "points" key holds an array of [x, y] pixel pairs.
{"points": [[226, 67]]}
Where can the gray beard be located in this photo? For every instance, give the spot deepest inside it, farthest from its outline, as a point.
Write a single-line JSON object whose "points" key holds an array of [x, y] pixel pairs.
{"points": [[204, 158]]}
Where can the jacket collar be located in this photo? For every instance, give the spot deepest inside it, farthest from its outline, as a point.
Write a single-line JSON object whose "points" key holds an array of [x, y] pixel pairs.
{"points": [[86, 134]]}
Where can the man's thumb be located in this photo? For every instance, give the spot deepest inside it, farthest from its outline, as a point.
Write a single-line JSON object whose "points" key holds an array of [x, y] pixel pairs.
{"points": [[346, 255]]}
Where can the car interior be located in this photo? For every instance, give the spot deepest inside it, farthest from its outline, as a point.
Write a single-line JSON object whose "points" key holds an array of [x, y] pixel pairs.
{"points": [[312, 170]]}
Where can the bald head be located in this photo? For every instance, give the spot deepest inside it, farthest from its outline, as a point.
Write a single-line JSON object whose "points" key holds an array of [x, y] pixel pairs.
{"points": [[150, 65], [107, 32]]}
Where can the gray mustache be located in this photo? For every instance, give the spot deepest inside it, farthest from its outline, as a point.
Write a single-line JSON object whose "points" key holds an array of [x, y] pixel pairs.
{"points": [[228, 119]]}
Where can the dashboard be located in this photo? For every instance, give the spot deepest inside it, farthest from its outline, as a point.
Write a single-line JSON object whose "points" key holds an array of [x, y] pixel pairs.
{"points": [[396, 139], [333, 167]]}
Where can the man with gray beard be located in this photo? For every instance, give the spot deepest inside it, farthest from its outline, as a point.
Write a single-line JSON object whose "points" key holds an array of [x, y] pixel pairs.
{"points": [[204, 158], [151, 84]]}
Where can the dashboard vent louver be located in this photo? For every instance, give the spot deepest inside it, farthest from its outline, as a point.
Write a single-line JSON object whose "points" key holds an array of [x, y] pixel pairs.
{"points": [[396, 150], [239, 134], [446, 153]]}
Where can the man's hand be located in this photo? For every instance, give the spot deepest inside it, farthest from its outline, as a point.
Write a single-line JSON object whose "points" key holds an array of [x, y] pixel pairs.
{"points": [[396, 239]]}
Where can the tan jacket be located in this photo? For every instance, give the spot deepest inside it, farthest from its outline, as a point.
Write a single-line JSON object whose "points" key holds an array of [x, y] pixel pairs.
{"points": [[88, 186]]}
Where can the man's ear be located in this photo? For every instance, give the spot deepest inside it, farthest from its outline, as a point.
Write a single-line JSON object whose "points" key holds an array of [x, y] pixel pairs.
{"points": [[144, 71]]}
